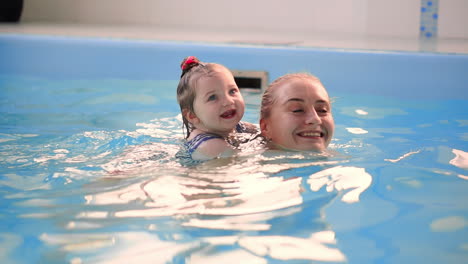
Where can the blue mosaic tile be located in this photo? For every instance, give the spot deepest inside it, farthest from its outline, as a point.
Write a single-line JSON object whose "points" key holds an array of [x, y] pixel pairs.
{"points": [[429, 18]]}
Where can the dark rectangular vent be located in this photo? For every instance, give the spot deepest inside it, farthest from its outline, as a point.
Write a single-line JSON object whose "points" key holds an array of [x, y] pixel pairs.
{"points": [[249, 82], [252, 80]]}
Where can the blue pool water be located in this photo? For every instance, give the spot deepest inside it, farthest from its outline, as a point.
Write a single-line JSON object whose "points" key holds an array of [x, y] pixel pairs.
{"points": [[88, 174]]}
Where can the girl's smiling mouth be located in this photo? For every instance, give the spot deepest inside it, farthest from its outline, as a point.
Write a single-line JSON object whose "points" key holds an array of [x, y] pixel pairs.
{"points": [[229, 114]]}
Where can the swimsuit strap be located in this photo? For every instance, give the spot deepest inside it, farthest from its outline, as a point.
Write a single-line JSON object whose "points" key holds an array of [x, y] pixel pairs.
{"points": [[193, 144]]}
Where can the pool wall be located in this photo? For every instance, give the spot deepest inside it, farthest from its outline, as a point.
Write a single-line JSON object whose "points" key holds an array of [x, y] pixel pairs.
{"points": [[399, 74]]}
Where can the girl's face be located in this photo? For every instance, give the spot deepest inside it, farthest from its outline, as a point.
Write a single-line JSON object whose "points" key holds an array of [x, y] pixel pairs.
{"points": [[218, 103], [300, 117]]}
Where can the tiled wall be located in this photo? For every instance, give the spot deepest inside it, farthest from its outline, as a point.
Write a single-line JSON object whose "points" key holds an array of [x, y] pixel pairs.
{"points": [[429, 19], [390, 18]]}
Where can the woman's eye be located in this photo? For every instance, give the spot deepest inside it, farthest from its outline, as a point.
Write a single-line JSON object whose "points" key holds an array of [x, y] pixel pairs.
{"points": [[233, 91], [212, 97], [298, 110], [322, 111]]}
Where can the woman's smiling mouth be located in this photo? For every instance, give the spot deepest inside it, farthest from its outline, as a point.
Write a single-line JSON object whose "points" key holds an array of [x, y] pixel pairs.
{"points": [[310, 134]]}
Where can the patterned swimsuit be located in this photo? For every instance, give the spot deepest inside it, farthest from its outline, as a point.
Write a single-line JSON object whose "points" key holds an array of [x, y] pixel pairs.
{"points": [[191, 145]]}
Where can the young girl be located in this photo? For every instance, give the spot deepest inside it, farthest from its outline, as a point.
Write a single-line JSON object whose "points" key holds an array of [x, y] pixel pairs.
{"points": [[212, 107], [296, 113]]}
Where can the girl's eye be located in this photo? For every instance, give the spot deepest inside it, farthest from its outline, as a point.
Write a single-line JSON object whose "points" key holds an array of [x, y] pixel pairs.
{"points": [[212, 97], [298, 110], [233, 91]]}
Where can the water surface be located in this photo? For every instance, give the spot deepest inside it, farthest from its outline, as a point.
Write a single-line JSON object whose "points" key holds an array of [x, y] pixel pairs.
{"points": [[88, 175]]}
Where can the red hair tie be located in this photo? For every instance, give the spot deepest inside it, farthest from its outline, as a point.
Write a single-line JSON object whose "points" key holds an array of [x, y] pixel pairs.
{"points": [[189, 62]]}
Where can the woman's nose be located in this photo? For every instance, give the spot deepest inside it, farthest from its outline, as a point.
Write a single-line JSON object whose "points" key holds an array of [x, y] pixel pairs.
{"points": [[313, 118]]}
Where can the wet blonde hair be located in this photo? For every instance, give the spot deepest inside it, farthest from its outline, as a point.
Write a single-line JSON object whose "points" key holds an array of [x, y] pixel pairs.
{"points": [[192, 71], [269, 98]]}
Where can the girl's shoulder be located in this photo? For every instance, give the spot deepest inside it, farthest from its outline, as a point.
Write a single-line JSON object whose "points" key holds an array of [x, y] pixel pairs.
{"points": [[197, 140], [211, 148], [194, 150], [204, 146]]}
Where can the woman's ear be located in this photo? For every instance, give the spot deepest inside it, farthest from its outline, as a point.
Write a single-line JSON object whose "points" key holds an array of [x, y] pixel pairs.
{"points": [[264, 128], [190, 116]]}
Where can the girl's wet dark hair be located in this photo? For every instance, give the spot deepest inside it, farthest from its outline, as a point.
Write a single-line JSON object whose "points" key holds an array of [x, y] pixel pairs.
{"points": [[192, 69]]}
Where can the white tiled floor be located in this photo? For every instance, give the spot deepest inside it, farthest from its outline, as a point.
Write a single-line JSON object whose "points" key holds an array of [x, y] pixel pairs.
{"points": [[252, 38]]}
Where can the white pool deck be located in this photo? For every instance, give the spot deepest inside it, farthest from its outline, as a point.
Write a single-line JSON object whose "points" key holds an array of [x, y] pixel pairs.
{"points": [[298, 39]]}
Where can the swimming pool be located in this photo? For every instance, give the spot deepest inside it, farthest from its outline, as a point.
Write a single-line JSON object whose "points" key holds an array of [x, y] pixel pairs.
{"points": [[89, 129]]}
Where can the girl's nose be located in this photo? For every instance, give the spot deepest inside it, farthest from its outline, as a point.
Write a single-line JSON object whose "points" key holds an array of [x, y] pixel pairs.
{"points": [[228, 100], [313, 118]]}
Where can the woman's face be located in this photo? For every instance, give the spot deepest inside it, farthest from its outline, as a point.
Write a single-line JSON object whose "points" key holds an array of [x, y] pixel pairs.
{"points": [[300, 117]]}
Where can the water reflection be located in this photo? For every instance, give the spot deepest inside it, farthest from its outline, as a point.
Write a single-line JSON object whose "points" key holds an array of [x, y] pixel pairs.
{"points": [[460, 160], [147, 248], [449, 224], [315, 247], [342, 178], [231, 194], [243, 209], [403, 156]]}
